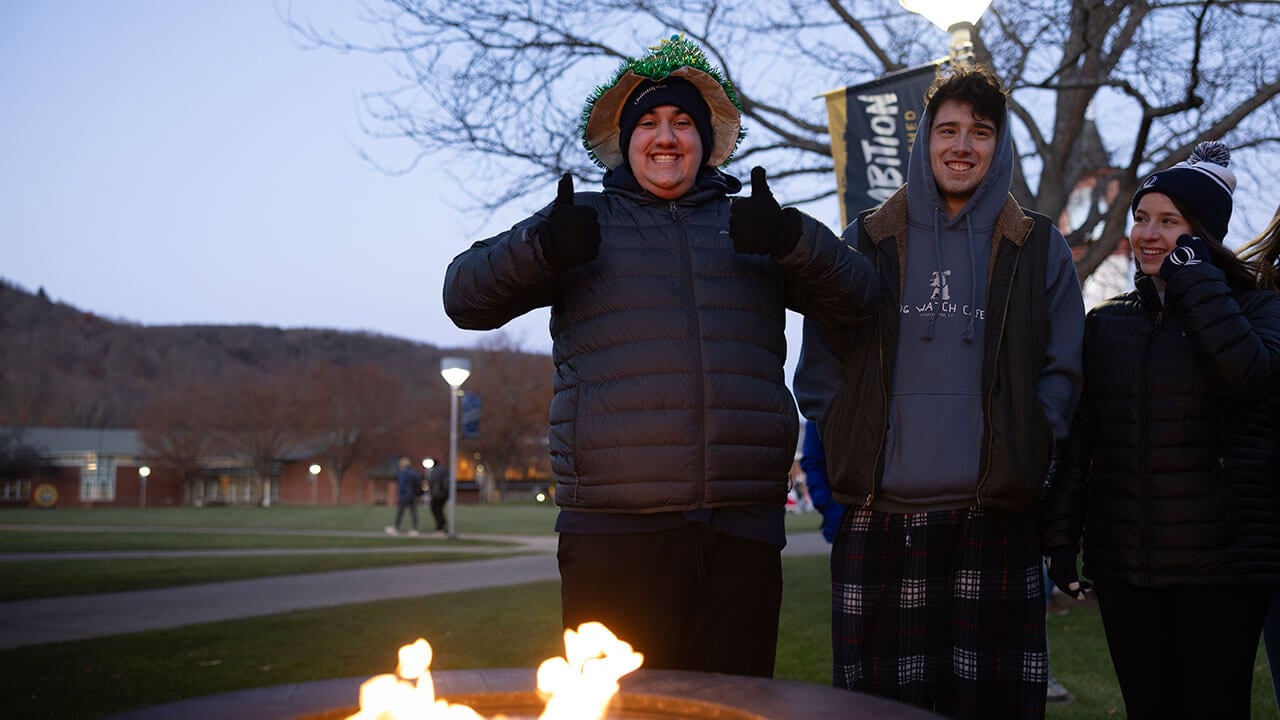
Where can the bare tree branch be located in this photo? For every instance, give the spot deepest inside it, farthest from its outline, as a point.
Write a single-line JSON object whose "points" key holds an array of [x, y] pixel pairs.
{"points": [[1098, 88]]}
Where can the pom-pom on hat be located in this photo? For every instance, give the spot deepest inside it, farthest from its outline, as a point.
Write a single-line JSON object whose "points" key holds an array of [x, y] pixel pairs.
{"points": [[673, 57], [1202, 184]]}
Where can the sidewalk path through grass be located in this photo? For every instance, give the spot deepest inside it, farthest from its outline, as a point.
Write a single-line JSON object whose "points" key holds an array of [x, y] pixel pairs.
{"points": [[35, 622]]}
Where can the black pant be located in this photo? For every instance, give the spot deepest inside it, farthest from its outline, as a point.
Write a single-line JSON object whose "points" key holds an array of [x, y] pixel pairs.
{"points": [[412, 507], [688, 598], [437, 510], [1183, 652]]}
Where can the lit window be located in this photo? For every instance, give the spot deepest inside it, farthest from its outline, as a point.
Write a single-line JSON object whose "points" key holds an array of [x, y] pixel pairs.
{"points": [[98, 480]]}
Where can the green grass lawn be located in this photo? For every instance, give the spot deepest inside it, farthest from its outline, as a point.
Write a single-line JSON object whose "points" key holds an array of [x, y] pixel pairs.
{"points": [[164, 539], [519, 627], [188, 529], [510, 627], [526, 518]]}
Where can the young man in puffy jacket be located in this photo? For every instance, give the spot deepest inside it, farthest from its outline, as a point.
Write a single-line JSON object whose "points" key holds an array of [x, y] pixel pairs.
{"points": [[672, 431]]}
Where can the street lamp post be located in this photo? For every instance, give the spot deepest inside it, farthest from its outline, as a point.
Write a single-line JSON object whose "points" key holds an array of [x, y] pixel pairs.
{"points": [[954, 16], [144, 472], [455, 371], [313, 472]]}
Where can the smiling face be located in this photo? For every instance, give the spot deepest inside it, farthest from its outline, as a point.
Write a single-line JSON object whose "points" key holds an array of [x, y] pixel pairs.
{"points": [[665, 152], [960, 150], [1157, 225]]}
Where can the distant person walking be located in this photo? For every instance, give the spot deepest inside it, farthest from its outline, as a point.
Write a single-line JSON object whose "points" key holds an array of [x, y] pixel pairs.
{"points": [[438, 488], [408, 490]]}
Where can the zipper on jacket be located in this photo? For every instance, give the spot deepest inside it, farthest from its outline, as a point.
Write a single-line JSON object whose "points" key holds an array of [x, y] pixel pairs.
{"points": [[886, 377], [1144, 397], [701, 420], [1144, 445], [877, 467], [986, 404]]}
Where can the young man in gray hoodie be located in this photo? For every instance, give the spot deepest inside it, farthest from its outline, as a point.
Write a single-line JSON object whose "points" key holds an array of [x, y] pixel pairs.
{"points": [[939, 423]]}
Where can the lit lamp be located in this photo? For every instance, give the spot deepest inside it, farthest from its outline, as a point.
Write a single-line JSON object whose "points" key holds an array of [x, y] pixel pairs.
{"points": [[455, 371], [144, 472], [956, 17], [312, 473]]}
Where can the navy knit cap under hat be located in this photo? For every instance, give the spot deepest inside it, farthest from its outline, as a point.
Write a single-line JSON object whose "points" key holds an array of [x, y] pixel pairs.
{"points": [[1201, 184], [667, 91], [672, 58]]}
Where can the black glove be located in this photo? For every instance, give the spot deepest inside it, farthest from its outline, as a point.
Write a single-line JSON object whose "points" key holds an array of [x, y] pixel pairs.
{"points": [[571, 233], [1190, 250], [1062, 571], [758, 225]]}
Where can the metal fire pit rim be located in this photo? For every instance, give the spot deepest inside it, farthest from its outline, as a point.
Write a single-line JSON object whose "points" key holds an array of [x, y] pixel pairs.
{"points": [[757, 697]]}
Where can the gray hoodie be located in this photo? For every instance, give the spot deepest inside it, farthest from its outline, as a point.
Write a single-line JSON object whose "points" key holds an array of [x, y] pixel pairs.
{"points": [[935, 406], [934, 438]]}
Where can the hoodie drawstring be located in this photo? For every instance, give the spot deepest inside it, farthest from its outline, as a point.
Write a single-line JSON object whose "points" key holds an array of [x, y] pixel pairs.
{"points": [[969, 330], [937, 273]]}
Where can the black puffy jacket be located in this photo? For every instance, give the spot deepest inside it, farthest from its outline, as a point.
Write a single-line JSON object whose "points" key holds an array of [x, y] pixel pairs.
{"points": [[668, 348], [1171, 467]]}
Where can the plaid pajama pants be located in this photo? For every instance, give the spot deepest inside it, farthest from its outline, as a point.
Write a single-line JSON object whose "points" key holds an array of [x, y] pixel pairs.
{"points": [[943, 610]]}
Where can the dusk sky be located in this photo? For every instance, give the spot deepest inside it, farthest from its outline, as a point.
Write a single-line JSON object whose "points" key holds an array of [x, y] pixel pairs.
{"points": [[184, 161], [187, 162]]}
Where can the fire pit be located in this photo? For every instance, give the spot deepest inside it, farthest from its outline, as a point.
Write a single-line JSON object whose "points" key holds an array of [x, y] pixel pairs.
{"points": [[596, 678], [645, 694]]}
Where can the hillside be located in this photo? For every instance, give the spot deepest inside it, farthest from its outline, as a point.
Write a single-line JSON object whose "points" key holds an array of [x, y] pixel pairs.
{"points": [[62, 366]]}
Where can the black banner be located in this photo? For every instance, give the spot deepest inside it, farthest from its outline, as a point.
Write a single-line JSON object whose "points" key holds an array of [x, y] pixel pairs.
{"points": [[470, 415], [872, 126]]}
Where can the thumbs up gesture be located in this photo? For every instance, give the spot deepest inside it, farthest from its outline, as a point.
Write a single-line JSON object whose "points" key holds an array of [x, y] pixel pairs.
{"points": [[758, 225], [570, 235]]}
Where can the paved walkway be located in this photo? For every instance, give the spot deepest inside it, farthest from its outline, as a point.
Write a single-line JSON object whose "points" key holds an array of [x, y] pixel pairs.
{"points": [[34, 622]]}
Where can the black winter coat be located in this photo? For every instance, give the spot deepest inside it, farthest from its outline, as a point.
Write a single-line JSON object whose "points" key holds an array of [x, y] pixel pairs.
{"points": [[668, 348], [1171, 467]]}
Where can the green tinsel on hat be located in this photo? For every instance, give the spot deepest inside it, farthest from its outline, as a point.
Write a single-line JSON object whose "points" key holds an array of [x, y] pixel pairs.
{"points": [[674, 56]]}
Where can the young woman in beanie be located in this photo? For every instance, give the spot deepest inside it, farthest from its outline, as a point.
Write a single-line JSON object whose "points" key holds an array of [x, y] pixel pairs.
{"points": [[672, 429], [1169, 470]]}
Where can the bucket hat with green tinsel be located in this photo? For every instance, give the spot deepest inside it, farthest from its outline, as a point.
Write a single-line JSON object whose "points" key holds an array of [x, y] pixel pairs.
{"points": [[673, 57]]}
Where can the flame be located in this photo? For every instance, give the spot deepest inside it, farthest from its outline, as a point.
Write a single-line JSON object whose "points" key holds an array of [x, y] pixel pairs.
{"points": [[580, 685], [577, 686]]}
